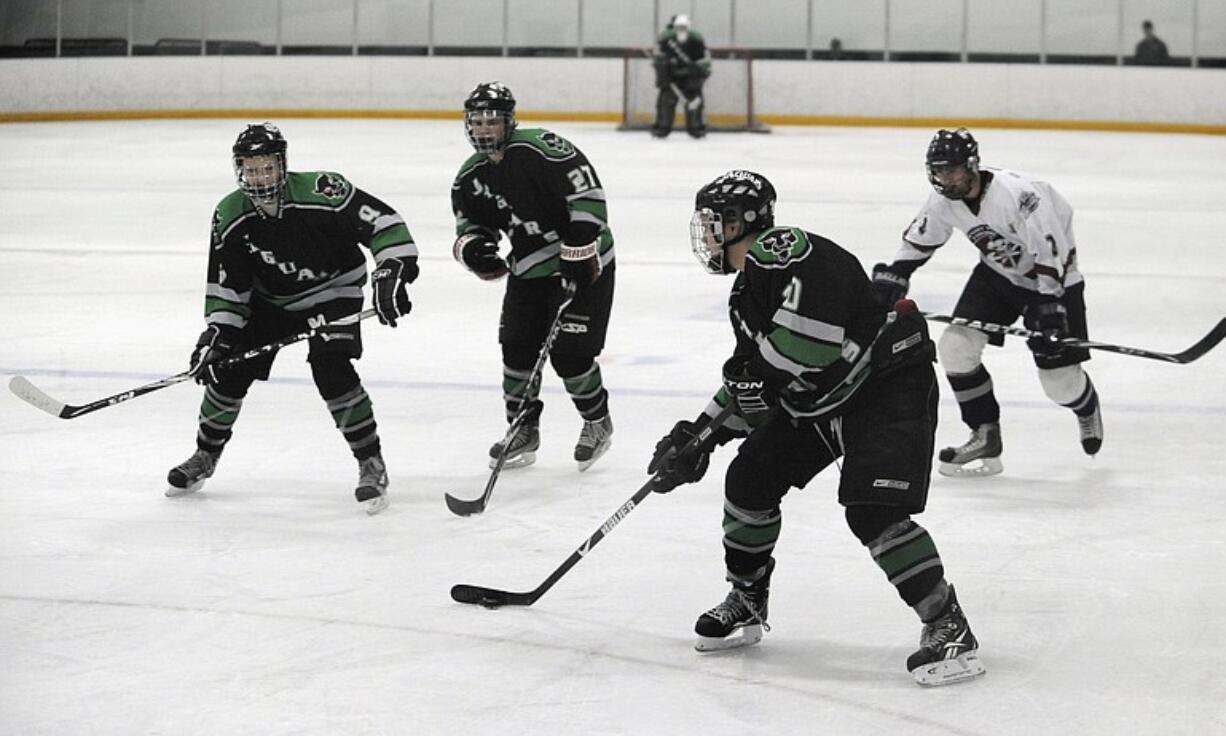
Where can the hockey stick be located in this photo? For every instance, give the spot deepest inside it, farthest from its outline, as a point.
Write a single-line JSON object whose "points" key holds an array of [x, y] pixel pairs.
{"points": [[1204, 345], [461, 507], [492, 598], [33, 395]]}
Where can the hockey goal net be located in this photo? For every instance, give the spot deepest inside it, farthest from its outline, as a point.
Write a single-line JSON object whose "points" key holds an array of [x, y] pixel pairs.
{"points": [[727, 94]]}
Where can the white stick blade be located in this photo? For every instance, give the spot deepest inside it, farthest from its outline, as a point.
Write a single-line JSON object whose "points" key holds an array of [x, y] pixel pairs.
{"points": [[34, 396]]}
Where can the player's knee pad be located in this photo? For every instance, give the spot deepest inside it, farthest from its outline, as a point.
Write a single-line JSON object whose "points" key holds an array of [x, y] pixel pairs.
{"points": [[569, 366], [753, 485], [1063, 385], [961, 349], [520, 356], [334, 374], [868, 522]]}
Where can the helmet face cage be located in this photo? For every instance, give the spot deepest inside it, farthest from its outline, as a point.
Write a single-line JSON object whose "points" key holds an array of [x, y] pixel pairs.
{"points": [[952, 151], [738, 198], [257, 141], [707, 239], [490, 101]]}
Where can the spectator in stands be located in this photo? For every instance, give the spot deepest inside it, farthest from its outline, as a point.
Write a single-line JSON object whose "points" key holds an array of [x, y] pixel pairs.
{"points": [[682, 65], [1151, 51], [836, 50]]}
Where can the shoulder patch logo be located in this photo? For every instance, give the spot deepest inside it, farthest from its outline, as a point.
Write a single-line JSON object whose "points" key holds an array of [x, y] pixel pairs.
{"points": [[780, 244], [555, 142], [332, 187], [1028, 203]]}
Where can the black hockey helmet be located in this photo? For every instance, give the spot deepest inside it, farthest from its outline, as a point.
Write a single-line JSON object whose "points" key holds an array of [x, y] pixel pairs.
{"points": [[263, 139], [740, 201], [490, 100], [952, 150]]}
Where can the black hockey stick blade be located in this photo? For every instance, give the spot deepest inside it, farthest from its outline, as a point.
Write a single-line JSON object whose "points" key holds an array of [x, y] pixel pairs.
{"points": [[494, 598], [468, 507], [490, 598]]}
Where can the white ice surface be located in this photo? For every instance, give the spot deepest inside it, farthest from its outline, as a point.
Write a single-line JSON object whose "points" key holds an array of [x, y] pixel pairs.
{"points": [[270, 604]]}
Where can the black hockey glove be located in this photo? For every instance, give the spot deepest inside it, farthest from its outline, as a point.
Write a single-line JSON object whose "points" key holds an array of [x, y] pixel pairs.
{"points": [[754, 399], [890, 284], [479, 254], [1051, 318], [391, 296], [580, 264], [214, 345], [671, 469]]}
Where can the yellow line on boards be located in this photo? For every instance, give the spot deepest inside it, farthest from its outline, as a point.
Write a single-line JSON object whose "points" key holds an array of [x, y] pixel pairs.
{"points": [[613, 117]]}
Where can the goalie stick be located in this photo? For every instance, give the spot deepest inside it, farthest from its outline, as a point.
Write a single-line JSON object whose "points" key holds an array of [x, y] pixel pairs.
{"points": [[493, 598], [33, 395], [462, 507], [1202, 346]]}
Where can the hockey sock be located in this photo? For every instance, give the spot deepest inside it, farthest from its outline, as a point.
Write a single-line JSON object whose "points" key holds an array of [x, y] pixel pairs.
{"points": [[354, 416], [909, 558], [975, 396], [218, 413], [588, 392], [516, 391], [1087, 403], [749, 537]]}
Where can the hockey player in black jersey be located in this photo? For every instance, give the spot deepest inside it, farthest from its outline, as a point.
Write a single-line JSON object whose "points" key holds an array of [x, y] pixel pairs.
{"points": [[543, 193], [284, 257], [820, 371], [1027, 267]]}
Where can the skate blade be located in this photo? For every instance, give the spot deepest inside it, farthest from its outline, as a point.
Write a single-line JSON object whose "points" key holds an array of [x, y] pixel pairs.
{"points": [[600, 451], [949, 671], [175, 491], [982, 466], [521, 460], [742, 637], [376, 504]]}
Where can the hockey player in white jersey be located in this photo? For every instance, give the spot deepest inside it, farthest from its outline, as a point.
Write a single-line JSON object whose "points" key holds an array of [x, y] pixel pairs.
{"points": [[1027, 267]]}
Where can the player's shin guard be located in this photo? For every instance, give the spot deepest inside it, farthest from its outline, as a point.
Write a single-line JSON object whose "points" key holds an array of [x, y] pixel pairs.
{"points": [[907, 555], [587, 391]]}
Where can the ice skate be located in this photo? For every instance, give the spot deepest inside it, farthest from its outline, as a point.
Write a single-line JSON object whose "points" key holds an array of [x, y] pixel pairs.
{"points": [[948, 650], [595, 439], [1091, 430], [522, 451], [372, 484], [189, 475], [740, 620], [980, 455]]}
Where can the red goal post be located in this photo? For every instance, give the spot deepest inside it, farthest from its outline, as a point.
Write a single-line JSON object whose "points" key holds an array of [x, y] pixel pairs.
{"points": [[727, 95]]}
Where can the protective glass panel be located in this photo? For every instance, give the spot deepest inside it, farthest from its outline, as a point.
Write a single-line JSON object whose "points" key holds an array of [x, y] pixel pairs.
{"points": [[926, 25], [619, 23], [1083, 27], [859, 26], [468, 23], [234, 25], [94, 19], [27, 23], [1004, 27], [543, 24], [317, 23], [169, 22], [1171, 21], [394, 23], [767, 24], [1211, 31], [713, 19]]}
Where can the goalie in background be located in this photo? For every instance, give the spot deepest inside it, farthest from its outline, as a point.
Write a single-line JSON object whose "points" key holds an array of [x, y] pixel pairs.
{"points": [[682, 65]]}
